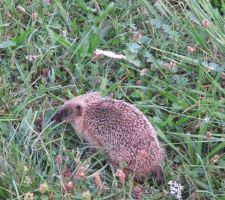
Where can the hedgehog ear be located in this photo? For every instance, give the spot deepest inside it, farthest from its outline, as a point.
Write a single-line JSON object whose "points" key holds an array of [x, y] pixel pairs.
{"points": [[78, 110]]}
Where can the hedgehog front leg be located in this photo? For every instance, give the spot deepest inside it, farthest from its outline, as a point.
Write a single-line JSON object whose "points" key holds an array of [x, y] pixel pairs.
{"points": [[159, 174]]}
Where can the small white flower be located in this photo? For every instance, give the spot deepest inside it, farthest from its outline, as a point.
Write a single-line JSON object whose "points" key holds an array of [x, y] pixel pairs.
{"points": [[206, 119], [31, 57], [143, 71], [176, 189]]}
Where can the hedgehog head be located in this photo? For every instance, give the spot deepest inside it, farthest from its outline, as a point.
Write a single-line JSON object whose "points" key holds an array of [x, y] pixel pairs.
{"points": [[69, 110], [73, 110]]}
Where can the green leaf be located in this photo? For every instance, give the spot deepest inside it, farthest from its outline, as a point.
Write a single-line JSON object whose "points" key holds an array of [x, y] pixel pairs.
{"points": [[149, 6], [133, 47], [136, 62], [162, 135], [64, 15], [105, 14], [183, 120], [1, 28], [57, 38], [112, 88], [173, 98], [156, 23], [149, 57], [104, 82], [75, 26], [145, 40], [216, 149], [7, 44], [83, 51], [198, 36], [94, 39], [22, 37], [83, 6]]}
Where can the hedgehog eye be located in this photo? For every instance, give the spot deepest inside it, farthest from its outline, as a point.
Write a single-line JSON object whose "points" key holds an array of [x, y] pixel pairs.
{"points": [[78, 110], [78, 107]]}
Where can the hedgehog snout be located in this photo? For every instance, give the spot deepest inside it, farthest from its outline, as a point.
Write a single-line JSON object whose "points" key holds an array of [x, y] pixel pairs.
{"points": [[57, 117], [64, 113]]}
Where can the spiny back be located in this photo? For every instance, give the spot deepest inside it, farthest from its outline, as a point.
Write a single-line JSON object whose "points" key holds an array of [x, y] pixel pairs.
{"points": [[121, 129]]}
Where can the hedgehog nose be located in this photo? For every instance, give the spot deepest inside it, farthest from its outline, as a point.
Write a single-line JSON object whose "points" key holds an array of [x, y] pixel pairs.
{"points": [[57, 117]]}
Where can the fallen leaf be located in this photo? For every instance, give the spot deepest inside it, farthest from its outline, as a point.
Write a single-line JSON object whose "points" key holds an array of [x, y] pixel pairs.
{"points": [[110, 54]]}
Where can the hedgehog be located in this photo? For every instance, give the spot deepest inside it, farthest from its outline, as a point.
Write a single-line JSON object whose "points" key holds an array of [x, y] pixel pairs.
{"points": [[121, 129]]}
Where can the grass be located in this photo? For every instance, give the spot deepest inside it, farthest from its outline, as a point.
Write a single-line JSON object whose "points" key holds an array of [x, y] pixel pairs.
{"points": [[46, 51]]}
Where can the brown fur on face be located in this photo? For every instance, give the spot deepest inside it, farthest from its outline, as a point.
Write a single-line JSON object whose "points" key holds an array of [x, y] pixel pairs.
{"points": [[67, 112], [120, 129]]}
